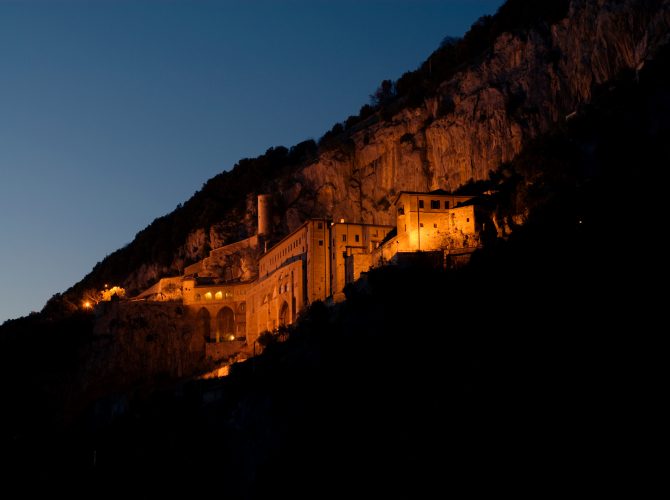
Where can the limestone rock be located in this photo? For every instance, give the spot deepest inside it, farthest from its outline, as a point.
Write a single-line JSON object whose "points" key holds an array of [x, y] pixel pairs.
{"points": [[518, 90]]}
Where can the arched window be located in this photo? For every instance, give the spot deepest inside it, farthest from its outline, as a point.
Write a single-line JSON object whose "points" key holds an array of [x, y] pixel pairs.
{"points": [[204, 323], [225, 322], [284, 315]]}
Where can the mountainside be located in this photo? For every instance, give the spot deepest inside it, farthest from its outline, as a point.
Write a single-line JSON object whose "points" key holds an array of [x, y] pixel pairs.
{"points": [[533, 366], [528, 82], [461, 129]]}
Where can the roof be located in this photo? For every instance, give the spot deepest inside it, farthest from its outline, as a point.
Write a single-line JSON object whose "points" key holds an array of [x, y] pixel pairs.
{"points": [[436, 192], [292, 233], [392, 234], [361, 224]]}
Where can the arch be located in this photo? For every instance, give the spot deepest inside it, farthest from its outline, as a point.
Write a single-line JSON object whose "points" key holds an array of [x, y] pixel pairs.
{"points": [[284, 315], [225, 324], [204, 323]]}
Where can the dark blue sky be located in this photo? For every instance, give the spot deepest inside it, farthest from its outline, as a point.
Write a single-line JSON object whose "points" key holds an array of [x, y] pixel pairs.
{"points": [[114, 111]]}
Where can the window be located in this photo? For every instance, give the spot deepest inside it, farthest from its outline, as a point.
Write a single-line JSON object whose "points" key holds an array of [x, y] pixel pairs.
{"points": [[446, 204], [401, 210], [344, 237], [435, 204], [420, 203], [435, 226], [319, 225], [357, 238], [421, 224], [320, 243], [467, 220]]}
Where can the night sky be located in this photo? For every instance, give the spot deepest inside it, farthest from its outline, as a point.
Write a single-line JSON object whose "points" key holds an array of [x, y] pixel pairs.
{"points": [[114, 111]]}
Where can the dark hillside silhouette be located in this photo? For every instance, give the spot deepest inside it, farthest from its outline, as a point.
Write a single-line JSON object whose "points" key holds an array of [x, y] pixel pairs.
{"points": [[530, 369]]}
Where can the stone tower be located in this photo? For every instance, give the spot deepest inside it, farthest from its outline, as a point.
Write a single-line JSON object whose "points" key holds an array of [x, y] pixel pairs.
{"points": [[264, 214]]}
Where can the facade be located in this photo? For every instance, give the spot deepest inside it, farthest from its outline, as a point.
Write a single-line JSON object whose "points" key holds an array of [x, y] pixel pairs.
{"points": [[351, 245], [242, 290], [291, 275], [220, 311], [430, 222]]}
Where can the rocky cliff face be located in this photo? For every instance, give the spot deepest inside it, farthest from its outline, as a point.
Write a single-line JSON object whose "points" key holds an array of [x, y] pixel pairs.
{"points": [[237, 226], [478, 119], [520, 89]]}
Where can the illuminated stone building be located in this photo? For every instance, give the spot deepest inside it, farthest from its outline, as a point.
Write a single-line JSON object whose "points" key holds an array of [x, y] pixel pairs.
{"points": [[430, 222], [291, 275], [241, 290], [351, 247]]}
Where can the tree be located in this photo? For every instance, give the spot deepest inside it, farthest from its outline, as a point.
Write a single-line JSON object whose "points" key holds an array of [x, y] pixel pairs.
{"points": [[384, 94]]}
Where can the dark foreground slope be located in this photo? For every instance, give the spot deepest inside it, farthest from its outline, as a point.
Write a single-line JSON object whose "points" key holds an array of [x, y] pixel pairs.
{"points": [[529, 371]]}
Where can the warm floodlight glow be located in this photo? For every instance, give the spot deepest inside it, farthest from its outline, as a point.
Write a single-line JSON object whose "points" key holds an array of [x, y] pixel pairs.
{"points": [[108, 293], [218, 296], [208, 296], [87, 304]]}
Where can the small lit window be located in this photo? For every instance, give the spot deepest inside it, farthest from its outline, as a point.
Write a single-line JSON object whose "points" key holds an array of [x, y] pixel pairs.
{"points": [[420, 203], [320, 243], [208, 296], [435, 204], [357, 238], [218, 296]]}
